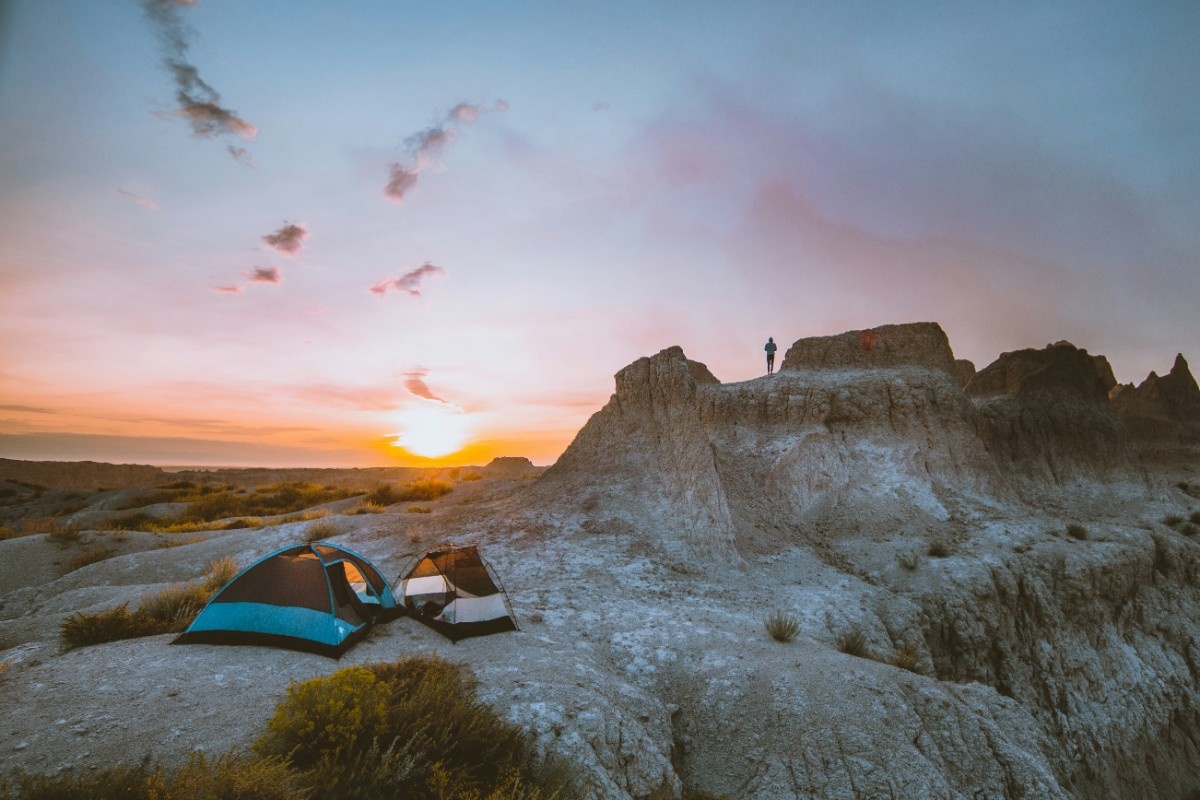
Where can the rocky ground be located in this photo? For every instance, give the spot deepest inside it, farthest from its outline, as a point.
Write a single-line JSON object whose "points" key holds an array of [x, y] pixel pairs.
{"points": [[1022, 591]]}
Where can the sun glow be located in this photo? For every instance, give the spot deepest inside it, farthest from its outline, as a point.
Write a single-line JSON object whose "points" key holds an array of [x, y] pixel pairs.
{"points": [[433, 431]]}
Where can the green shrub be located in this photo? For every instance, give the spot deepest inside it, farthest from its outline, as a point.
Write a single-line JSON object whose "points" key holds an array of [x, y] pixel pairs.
{"points": [[939, 549], [1077, 532], [782, 627], [411, 729], [853, 642], [92, 555]]}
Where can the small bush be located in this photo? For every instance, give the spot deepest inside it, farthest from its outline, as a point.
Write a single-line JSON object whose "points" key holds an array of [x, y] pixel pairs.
{"points": [[1077, 532], [412, 729], [782, 627], [909, 559], [1195, 518], [908, 657], [1171, 520], [92, 555], [80, 629], [58, 533], [367, 507], [173, 608], [1190, 529], [4, 665], [324, 529], [853, 642], [939, 549], [472, 476], [8, 533], [419, 510]]}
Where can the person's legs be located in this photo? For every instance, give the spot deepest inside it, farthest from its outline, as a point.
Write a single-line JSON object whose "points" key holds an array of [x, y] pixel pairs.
{"points": [[770, 363]]}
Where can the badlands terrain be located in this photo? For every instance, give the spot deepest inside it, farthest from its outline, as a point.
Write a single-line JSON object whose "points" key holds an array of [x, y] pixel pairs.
{"points": [[994, 576]]}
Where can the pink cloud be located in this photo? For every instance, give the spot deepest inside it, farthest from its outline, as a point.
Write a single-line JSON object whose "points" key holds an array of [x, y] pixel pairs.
{"points": [[229, 289], [409, 283], [426, 146], [403, 180], [414, 382]]}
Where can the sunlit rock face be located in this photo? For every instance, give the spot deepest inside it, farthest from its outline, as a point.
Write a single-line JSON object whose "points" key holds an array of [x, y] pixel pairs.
{"points": [[919, 344], [1161, 409]]}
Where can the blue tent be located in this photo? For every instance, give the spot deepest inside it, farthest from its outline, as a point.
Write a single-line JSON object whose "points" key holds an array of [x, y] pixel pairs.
{"points": [[315, 597]]}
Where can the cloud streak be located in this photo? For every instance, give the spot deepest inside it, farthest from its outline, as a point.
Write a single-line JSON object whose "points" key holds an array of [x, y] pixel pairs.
{"points": [[409, 283], [141, 201], [426, 146], [197, 102], [288, 240]]}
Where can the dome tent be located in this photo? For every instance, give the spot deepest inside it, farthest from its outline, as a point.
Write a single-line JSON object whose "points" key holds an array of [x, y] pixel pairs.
{"points": [[318, 597], [456, 593]]}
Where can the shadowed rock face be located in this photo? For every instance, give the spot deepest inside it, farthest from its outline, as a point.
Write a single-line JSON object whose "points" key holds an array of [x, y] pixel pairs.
{"points": [[79, 474], [921, 344], [1163, 408], [1046, 414]]}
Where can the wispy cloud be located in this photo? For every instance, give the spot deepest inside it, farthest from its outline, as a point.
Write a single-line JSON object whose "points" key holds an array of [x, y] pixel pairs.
{"points": [[240, 155], [28, 409], [288, 240], [410, 282], [414, 382], [426, 146], [141, 201], [265, 275], [198, 103], [229, 289]]}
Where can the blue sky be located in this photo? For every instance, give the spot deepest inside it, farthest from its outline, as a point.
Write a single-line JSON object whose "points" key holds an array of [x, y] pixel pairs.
{"points": [[635, 176]]}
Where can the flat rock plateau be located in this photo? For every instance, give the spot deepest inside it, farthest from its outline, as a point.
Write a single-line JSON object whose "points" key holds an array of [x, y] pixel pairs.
{"points": [[1014, 550]]}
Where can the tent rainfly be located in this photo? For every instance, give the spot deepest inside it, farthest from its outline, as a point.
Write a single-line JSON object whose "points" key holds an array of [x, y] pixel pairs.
{"points": [[315, 597], [456, 593]]}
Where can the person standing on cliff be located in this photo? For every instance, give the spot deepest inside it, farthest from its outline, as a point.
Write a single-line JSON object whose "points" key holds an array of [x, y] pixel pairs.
{"points": [[770, 348]]}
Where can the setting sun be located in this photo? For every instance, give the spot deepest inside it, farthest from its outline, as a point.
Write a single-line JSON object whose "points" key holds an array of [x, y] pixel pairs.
{"points": [[433, 431]]}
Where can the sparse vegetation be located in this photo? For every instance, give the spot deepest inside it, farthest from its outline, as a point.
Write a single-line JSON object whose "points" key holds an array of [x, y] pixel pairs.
{"points": [[94, 554], [323, 529], [1195, 517], [939, 549], [908, 559], [368, 507], [230, 777], [419, 510], [908, 656], [211, 502], [4, 665], [1077, 532], [853, 642], [57, 532], [168, 611], [1190, 529], [1171, 520], [472, 476], [782, 627], [387, 494]]}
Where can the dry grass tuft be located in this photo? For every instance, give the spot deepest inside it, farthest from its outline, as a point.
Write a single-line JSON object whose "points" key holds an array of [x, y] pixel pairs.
{"points": [[908, 657], [324, 529], [1077, 532], [939, 549], [782, 627], [419, 510], [853, 642], [93, 555]]}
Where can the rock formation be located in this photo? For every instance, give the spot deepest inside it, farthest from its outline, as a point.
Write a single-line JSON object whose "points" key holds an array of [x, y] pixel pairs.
{"points": [[79, 474], [922, 344], [1047, 417], [1165, 409]]}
